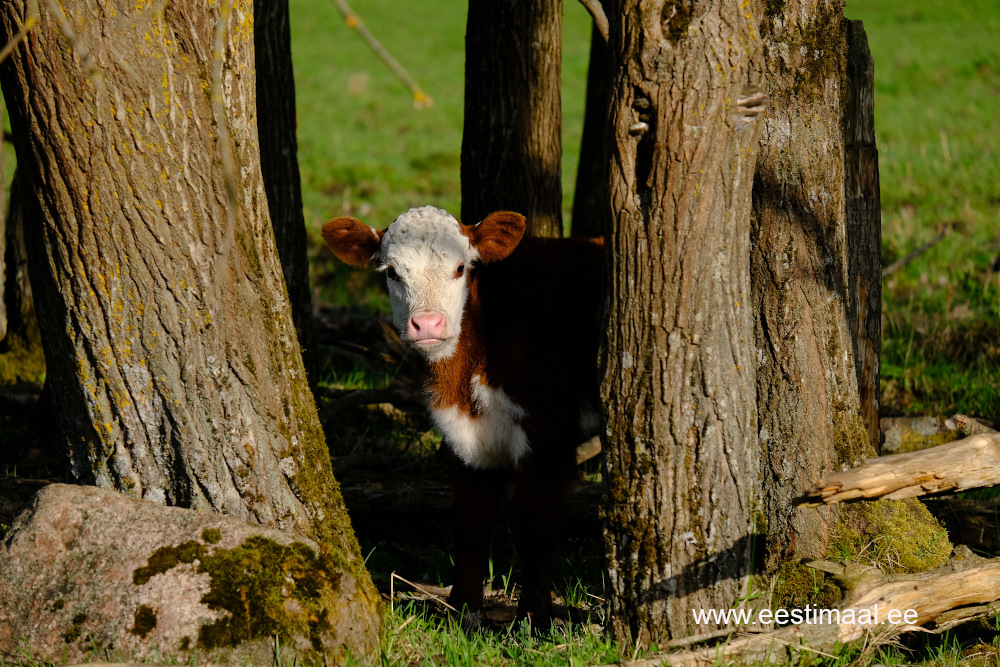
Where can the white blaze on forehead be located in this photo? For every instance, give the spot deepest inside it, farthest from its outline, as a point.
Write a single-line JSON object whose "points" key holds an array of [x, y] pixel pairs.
{"points": [[425, 238], [425, 246]]}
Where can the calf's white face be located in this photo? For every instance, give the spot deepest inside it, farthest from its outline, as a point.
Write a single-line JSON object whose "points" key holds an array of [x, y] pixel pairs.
{"points": [[426, 258], [426, 255]]}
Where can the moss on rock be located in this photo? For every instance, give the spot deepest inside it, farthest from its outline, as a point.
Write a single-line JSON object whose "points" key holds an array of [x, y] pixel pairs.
{"points": [[896, 536], [268, 589]]}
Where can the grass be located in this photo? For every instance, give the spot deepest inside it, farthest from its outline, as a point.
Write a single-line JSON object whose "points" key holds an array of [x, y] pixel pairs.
{"points": [[363, 148], [417, 635]]}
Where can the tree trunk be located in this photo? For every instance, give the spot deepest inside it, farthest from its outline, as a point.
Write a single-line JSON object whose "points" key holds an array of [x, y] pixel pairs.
{"points": [[3, 236], [172, 354], [511, 142], [682, 484], [808, 402], [23, 342], [279, 163], [864, 225], [591, 214], [19, 302]]}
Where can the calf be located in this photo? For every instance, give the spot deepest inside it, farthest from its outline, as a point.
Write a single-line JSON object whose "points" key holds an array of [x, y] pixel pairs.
{"points": [[508, 328]]}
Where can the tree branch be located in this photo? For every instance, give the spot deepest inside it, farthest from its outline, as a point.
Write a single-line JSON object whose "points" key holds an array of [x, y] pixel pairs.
{"points": [[913, 254], [420, 98], [600, 18]]}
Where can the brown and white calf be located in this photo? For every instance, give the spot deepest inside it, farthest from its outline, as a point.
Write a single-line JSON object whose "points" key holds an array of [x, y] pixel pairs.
{"points": [[509, 329]]}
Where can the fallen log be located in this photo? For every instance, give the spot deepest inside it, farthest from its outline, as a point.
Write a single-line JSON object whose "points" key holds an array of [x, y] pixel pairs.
{"points": [[969, 426], [934, 601], [964, 464]]}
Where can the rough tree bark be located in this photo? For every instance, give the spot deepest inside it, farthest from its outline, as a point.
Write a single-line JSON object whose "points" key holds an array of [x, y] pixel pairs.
{"points": [[279, 163], [682, 484], [590, 198], [809, 406], [511, 142], [165, 321]]}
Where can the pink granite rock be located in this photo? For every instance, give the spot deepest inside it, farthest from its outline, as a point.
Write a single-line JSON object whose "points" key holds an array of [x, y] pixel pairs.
{"points": [[83, 569]]}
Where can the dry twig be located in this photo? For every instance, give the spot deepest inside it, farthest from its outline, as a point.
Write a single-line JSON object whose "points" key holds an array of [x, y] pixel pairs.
{"points": [[420, 98], [912, 255]]}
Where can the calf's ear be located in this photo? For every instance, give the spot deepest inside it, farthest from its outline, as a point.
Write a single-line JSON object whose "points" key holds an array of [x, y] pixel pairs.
{"points": [[497, 235], [352, 241]]}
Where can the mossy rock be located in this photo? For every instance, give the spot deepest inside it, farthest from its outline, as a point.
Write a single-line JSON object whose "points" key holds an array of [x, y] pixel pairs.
{"points": [[895, 536], [85, 569]]}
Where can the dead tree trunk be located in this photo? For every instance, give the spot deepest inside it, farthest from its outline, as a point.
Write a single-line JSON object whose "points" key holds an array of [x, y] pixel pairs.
{"points": [[511, 142], [591, 212], [279, 163], [804, 271], [682, 484], [864, 225], [172, 354]]}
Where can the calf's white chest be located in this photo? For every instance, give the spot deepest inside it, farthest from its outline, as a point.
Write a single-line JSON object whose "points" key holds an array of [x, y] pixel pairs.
{"points": [[494, 437]]}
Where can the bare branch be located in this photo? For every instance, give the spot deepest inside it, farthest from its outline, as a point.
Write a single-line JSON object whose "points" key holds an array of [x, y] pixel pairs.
{"points": [[912, 255], [600, 18], [420, 98]]}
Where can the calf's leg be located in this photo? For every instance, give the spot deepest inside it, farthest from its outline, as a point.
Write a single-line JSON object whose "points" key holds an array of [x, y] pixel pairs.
{"points": [[540, 490], [477, 499]]}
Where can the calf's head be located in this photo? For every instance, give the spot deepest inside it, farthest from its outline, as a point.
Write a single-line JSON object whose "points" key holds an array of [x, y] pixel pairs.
{"points": [[427, 256]]}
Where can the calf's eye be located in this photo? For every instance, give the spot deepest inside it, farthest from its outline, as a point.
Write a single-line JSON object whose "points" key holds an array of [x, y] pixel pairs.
{"points": [[391, 272], [460, 270]]}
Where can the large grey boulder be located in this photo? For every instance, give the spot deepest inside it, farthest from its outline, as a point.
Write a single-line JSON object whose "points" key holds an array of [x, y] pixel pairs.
{"points": [[85, 570]]}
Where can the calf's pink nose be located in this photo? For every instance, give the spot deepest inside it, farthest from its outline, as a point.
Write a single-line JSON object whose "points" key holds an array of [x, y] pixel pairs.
{"points": [[426, 325]]}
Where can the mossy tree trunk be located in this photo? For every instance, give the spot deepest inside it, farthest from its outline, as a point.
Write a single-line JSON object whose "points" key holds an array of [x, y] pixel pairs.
{"points": [[511, 142], [591, 212], [811, 417], [171, 349], [682, 483], [279, 163]]}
